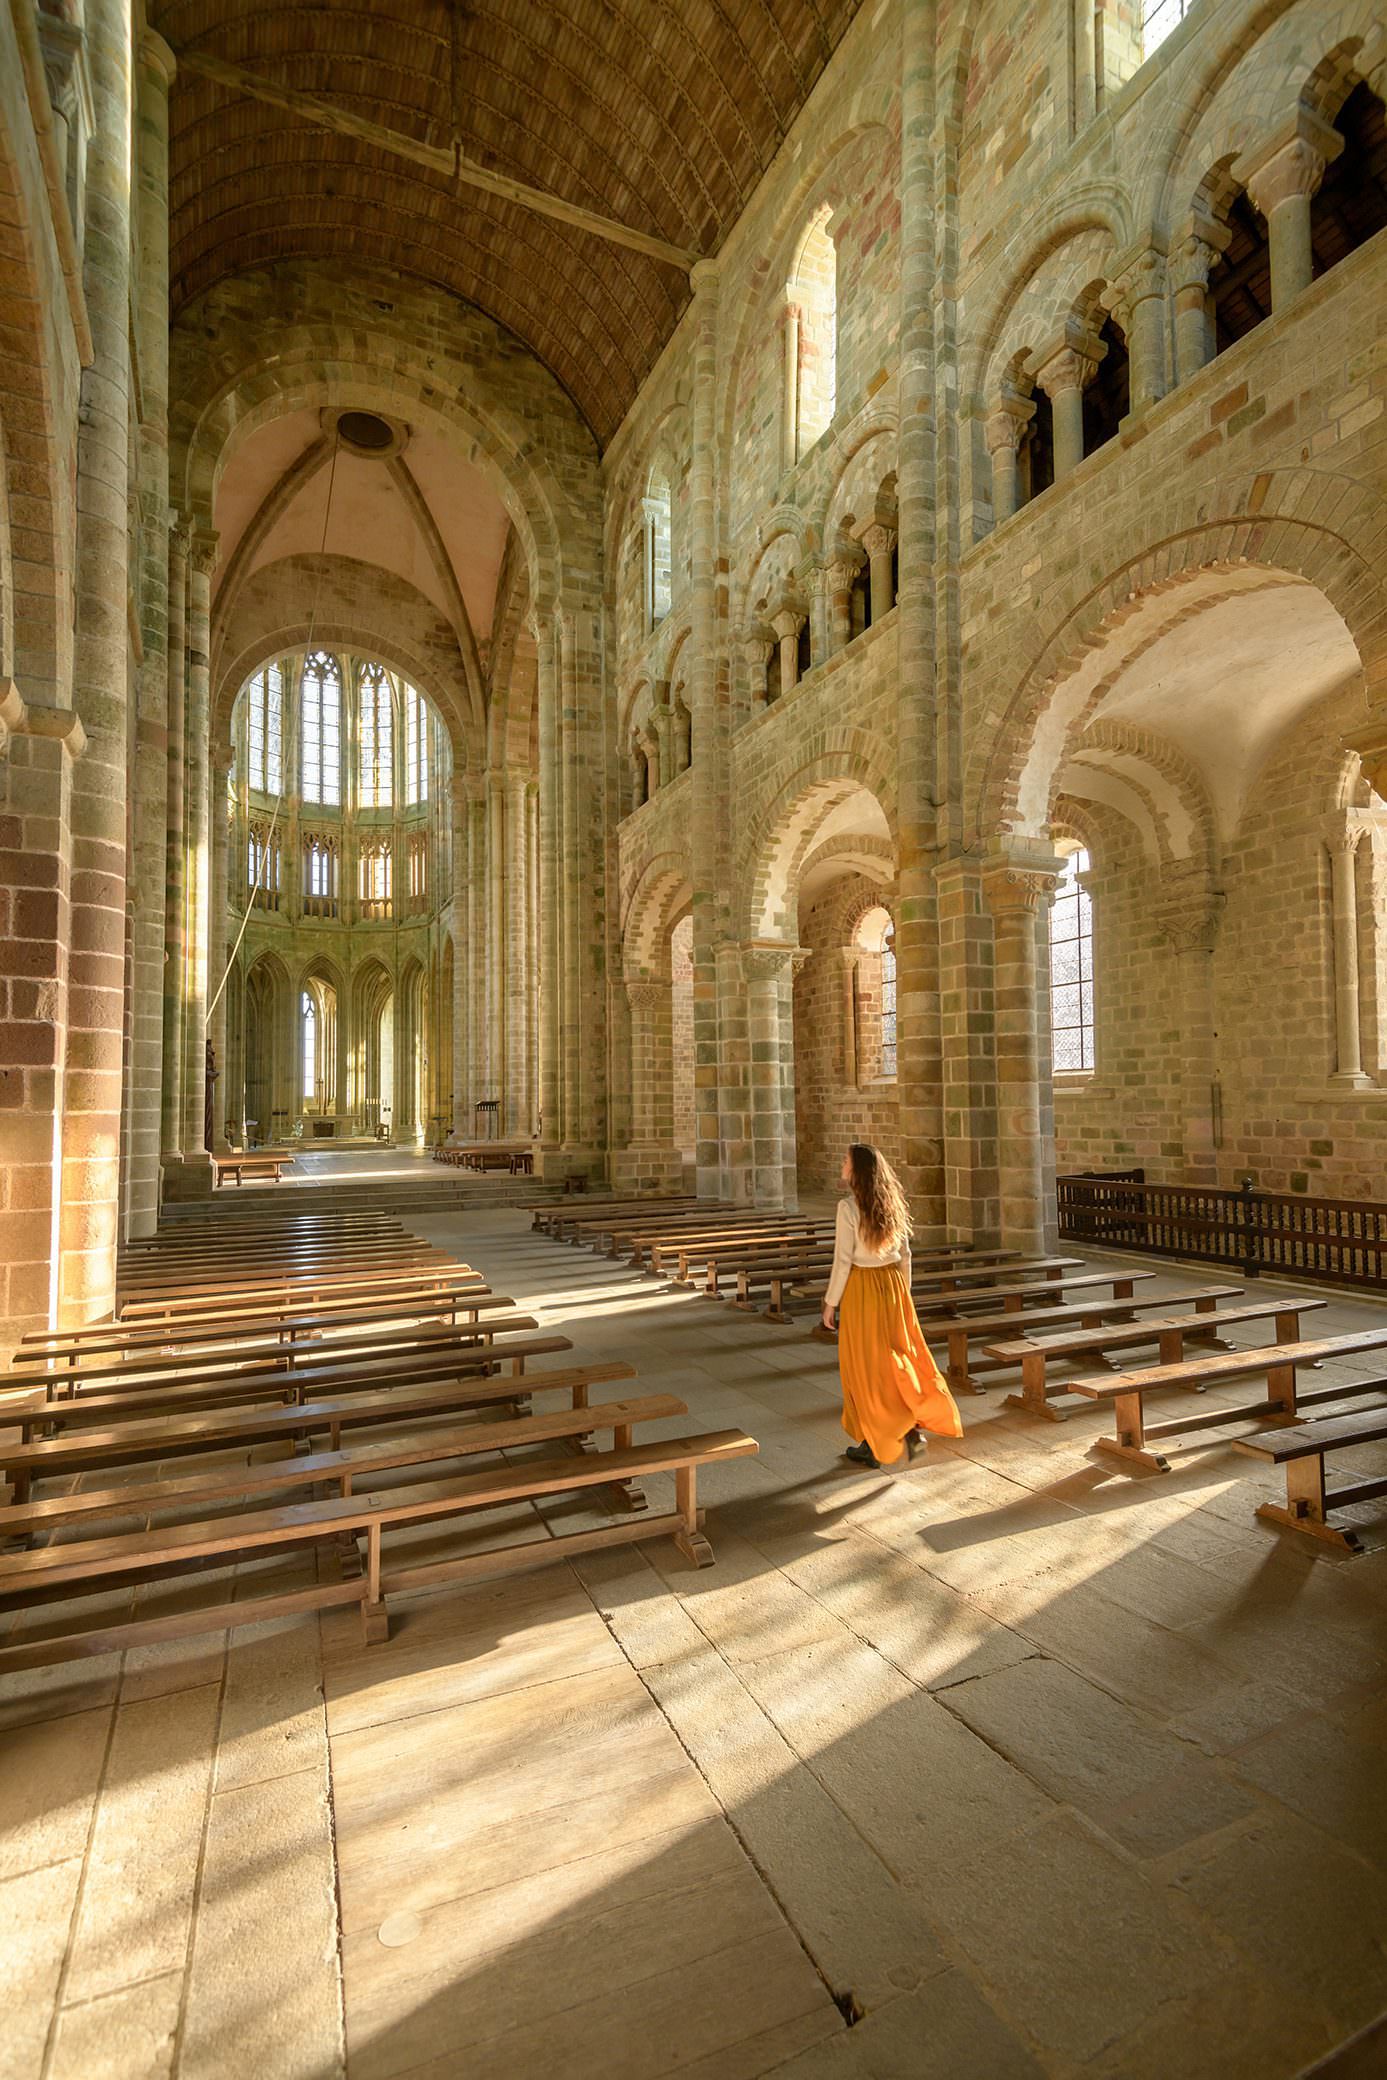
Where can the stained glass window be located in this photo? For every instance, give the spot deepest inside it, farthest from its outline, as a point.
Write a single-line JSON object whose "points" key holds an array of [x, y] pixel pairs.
{"points": [[1071, 969]]}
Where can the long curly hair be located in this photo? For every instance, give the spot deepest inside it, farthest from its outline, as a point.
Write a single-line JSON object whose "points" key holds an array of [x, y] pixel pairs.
{"points": [[884, 1216]]}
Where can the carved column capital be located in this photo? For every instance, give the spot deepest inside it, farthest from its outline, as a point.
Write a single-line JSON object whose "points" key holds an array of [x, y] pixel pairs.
{"points": [[1006, 423], [1069, 366], [203, 550], [1139, 275], [1290, 163], [1017, 883], [767, 961], [878, 539], [644, 994], [1195, 252]]}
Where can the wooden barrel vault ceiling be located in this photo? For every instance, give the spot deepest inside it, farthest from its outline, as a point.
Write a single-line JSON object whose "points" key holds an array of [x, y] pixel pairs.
{"points": [[660, 114]]}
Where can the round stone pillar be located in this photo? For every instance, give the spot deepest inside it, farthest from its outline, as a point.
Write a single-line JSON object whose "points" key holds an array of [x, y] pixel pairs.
{"points": [[1282, 177], [1063, 377], [1014, 896]]}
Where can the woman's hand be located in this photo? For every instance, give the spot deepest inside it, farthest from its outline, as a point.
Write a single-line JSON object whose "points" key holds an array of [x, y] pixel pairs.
{"points": [[829, 1313]]}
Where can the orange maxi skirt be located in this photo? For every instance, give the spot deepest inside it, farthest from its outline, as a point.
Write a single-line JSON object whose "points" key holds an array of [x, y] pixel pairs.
{"points": [[890, 1381]]}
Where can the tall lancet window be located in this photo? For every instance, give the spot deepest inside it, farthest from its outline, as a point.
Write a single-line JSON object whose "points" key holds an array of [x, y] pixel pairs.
{"points": [[416, 748], [377, 738], [265, 730], [1071, 969], [309, 1026], [321, 729]]}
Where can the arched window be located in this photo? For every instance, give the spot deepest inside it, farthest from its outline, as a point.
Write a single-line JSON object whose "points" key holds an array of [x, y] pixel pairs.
{"points": [[320, 729], [375, 881], [416, 748], [308, 1030], [1108, 398], [1035, 453], [320, 878], [377, 727], [811, 339], [1240, 278], [418, 855], [1158, 19], [262, 867], [1071, 968], [888, 1002], [657, 543], [265, 731]]}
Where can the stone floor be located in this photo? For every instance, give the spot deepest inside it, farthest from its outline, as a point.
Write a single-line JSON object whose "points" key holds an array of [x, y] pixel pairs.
{"points": [[1039, 1769]]}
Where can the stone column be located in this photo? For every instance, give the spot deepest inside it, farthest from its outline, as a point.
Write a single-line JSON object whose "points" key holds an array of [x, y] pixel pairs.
{"points": [[1137, 301], [848, 958], [171, 1110], [758, 643], [786, 625], [652, 1082], [219, 831], [570, 891], [1014, 894], [1282, 176], [550, 875], [841, 573], [150, 777], [515, 1123], [478, 912], [1004, 429], [1063, 375], [497, 940], [917, 719], [1190, 264], [789, 407], [818, 614], [711, 778], [789, 1125], [532, 962], [879, 541], [968, 1022], [1188, 917], [1348, 1031], [769, 972], [196, 1174], [463, 964], [662, 722], [96, 963]]}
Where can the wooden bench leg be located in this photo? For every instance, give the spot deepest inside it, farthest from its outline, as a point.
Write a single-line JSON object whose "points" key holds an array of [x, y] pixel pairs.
{"points": [[1306, 1507], [1129, 1445], [1032, 1396], [375, 1623], [689, 1537]]}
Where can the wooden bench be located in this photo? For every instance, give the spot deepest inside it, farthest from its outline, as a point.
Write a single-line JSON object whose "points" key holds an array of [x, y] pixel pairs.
{"points": [[130, 1443], [928, 1285], [344, 1469], [1169, 1333], [370, 1285], [241, 1166], [324, 1371], [566, 1223], [1278, 1362], [760, 1266], [960, 1332], [546, 1217], [1303, 1451], [636, 1240], [86, 1566]]}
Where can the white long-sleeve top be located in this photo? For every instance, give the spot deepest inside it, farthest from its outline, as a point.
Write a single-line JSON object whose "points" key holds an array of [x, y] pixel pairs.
{"points": [[849, 1249]]}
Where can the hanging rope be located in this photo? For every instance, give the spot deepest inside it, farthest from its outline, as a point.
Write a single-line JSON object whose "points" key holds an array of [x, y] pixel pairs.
{"points": [[288, 735]]}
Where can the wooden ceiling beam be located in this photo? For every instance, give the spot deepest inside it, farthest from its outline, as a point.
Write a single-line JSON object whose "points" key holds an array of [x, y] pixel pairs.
{"points": [[453, 163]]}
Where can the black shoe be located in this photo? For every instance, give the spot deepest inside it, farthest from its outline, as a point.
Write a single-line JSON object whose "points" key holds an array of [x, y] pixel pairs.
{"points": [[861, 1455]]}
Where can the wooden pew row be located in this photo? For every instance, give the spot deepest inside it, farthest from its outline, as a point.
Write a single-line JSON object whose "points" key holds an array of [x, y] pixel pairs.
{"points": [[344, 1467], [1278, 1363], [268, 1352], [1038, 1394], [275, 1220], [550, 1218], [291, 1292], [70, 1347], [254, 1239], [961, 1333], [610, 1227], [285, 1261], [324, 1371], [752, 1265], [939, 1288], [1302, 1452], [462, 1383], [84, 1566], [958, 1278], [650, 1248]]}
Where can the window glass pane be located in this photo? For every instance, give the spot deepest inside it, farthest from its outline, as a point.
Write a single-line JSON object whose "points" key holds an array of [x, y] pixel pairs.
{"points": [[1071, 969], [377, 739], [320, 729]]}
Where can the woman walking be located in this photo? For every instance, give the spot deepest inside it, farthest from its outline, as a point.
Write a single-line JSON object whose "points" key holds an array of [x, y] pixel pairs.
{"points": [[892, 1388]]}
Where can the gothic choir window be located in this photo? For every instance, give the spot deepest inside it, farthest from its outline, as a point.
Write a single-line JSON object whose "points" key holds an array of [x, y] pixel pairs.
{"points": [[1071, 969], [320, 878], [265, 730], [377, 736], [888, 1002], [308, 1018], [262, 868], [375, 881], [416, 748], [321, 729], [418, 872]]}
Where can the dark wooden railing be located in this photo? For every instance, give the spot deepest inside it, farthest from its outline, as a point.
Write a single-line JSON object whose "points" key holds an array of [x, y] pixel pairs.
{"points": [[1343, 1241]]}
